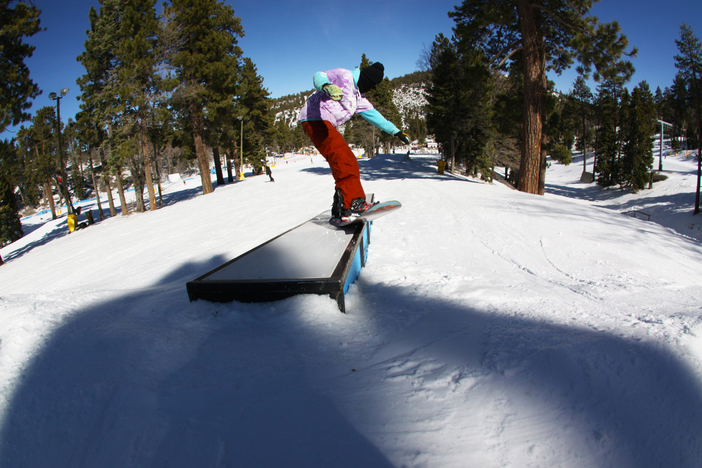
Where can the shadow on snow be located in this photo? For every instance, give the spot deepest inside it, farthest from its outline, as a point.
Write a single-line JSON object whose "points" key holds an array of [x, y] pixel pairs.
{"points": [[149, 379], [393, 167]]}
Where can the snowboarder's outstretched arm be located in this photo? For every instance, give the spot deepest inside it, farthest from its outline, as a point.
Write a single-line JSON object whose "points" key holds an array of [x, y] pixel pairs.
{"points": [[377, 119]]}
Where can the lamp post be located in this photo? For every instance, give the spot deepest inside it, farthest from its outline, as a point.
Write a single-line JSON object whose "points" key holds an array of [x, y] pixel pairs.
{"points": [[241, 151], [57, 98]]}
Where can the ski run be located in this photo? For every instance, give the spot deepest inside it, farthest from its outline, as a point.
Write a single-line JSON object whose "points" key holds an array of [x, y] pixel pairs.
{"points": [[489, 328]]}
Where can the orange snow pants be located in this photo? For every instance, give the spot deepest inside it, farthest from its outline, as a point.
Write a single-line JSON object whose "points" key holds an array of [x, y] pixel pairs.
{"points": [[341, 159]]}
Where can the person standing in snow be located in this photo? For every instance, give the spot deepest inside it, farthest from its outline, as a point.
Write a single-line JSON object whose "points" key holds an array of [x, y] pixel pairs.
{"points": [[269, 173], [341, 94]]}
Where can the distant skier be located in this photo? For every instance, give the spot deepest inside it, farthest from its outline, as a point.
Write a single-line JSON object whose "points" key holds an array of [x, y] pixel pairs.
{"points": [[269, 173], [341, 94]]}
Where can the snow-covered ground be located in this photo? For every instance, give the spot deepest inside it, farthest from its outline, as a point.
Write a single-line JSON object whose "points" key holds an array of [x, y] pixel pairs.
{"points": [[490, 328]]}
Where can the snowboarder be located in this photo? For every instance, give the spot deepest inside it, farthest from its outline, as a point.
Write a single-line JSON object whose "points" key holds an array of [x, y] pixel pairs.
{"points": [[269, 173], [341, 94]]}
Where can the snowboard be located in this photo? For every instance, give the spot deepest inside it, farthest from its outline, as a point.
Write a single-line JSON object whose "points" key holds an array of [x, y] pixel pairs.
{"points": [[381, 209]]}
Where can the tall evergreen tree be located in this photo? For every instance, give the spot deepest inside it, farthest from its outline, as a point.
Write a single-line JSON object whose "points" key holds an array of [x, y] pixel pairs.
{"points": [[20, 20], [99, 89], [689, 63], [253, 98], [639, 129], [442, 103], [138, 79], [40, 141], [608, 105], [677, 103], [561, 128], [29, 184], [551, 34], [10, 226], [508, 118], [203, 35], [659, 100], [460, 105], [582, 99]]}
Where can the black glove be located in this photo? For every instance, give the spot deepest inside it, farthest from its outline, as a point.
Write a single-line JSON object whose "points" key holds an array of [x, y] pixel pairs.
{"points": [[403, 137]]}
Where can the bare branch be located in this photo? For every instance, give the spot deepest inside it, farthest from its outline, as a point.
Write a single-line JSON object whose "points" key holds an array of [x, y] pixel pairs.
{"points": [[512, 52], [514, 46]]}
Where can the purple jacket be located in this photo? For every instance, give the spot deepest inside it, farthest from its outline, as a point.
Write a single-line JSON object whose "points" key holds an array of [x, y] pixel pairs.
{"points": [[320, 106]]}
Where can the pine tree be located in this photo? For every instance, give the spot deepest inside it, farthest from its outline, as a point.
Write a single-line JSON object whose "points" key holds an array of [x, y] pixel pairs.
{"points": [[508, 117], [561, 128], [659, 102], [10, 226], [442, 92], [20, 20], [582, 98], [607, 110], [39, 141], [639, 129], [460, 105], [99, 90], [549, 35], [253, 98], [203, 40], [138, 79], [676, 102], [29, 186], [689, 63]]}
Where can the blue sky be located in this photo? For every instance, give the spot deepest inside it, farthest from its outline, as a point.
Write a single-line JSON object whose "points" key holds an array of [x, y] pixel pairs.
{"points": [[290, 40]]}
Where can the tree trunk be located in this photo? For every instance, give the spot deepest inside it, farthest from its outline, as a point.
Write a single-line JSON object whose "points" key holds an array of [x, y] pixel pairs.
{"points": [[542, 170], [110, 200], [95, 184], [584, 147], [158, 177], [218, 165], [147, 171], [50, 198], [106, 179], [699, 177], [594, 156], [139, 194], [236, 159], [200, 150], [120, 190], [81, 174], [534, 75], [230, 176], [202, 158]]}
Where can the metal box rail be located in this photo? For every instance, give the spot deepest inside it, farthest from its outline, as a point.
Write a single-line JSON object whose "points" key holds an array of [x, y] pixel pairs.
{"points": [[312, 258]]}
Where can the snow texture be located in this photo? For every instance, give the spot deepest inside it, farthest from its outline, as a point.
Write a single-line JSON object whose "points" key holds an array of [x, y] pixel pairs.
{"points": [[489, 328]]}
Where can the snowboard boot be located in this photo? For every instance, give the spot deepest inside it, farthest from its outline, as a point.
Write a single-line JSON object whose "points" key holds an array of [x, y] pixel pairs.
{"points": [[337, 205], [342, 216]]}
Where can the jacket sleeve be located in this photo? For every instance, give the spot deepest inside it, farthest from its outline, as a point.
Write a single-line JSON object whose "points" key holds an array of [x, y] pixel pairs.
{"points": [[320, 79], [377, 119]]}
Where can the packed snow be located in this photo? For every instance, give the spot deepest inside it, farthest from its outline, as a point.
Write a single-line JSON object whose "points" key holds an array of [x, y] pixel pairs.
{"points": [[489, 328]]}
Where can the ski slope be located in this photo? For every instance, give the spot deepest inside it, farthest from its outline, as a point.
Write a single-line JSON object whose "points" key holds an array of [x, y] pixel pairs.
{"points": [[489, 328]]}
